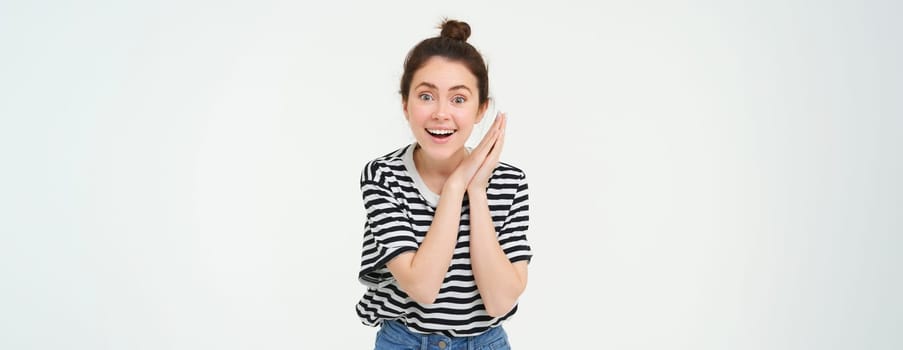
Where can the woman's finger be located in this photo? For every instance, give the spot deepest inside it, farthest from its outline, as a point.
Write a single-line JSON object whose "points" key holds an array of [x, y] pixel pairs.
{"points": [[491, 159], [487, 137], [485, 145], [499, 141], [497, 123]]}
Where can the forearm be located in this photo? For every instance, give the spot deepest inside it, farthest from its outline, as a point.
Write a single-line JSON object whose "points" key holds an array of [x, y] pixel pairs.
{"points": [[427, 268], [497, 279]]}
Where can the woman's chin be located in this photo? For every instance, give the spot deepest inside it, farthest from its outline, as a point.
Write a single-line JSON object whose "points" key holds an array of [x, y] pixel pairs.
{"points": [[440, 151]]}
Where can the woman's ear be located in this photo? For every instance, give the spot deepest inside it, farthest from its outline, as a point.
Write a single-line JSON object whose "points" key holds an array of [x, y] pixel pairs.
{"points": [[481, 112], [404, 109]]}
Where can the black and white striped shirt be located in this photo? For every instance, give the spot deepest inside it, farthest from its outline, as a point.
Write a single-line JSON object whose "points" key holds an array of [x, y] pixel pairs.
{"points": [[400, 209]]}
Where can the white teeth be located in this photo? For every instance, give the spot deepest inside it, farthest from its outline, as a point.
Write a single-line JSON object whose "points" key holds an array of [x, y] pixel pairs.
{"points": [[440, 131]]}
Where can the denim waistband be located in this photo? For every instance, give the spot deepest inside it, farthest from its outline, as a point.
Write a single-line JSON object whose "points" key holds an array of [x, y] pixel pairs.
{"points": [[400, 333]]}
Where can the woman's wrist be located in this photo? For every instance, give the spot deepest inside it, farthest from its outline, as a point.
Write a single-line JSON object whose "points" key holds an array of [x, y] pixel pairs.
{"points": [[476, 190], [453, 188]]}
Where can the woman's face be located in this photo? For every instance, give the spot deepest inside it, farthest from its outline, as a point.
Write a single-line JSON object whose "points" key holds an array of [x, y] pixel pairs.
{"points": [[443, 106]]}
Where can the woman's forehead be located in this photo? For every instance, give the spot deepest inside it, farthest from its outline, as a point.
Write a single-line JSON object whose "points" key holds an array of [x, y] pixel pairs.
{"points": [[444, 74]]}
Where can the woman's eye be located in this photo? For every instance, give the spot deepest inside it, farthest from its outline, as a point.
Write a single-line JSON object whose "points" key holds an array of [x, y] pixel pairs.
{"points": [[459, 99], [426, 97]]}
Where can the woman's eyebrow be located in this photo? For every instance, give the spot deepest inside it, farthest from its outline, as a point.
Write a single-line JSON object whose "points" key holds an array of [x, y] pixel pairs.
{"points": [[434, 87], [458, 87], [429, 85]]}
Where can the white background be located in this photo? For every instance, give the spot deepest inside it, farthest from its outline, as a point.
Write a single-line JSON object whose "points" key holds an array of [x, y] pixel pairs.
{"points": [[704, 175]]}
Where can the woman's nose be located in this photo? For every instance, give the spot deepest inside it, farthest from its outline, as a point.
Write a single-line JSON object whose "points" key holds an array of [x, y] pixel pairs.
{"points": [[441, 112]]}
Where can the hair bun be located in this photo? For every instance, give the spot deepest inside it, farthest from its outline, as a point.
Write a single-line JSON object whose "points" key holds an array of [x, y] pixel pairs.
{"points": [[456, 30]]}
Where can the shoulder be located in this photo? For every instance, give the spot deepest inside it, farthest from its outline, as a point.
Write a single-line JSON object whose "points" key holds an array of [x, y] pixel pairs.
{"points": [[509, 179], [509, 171], [376, 170]]}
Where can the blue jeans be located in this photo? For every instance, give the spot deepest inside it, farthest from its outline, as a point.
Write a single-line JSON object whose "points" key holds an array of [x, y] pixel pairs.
{"points": [[394, 335]]}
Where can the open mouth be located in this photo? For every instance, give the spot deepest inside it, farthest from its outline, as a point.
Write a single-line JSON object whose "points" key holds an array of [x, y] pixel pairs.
{"points": [[441, 133]]}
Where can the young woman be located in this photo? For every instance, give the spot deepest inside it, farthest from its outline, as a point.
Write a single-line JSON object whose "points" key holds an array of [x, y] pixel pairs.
{"points": [[445, 251]]}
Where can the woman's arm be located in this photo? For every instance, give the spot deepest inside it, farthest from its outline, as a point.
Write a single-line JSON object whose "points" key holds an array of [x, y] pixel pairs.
{"points": [[420, 274], [499, 281]]}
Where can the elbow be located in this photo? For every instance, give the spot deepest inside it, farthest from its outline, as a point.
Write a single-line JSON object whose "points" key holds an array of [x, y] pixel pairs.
{"points": [[499, 307], [422, 294], [423, 298], [497, 310]]}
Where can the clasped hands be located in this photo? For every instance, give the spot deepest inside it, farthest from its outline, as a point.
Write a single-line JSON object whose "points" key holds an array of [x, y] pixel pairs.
{"points": [[474, 172]]}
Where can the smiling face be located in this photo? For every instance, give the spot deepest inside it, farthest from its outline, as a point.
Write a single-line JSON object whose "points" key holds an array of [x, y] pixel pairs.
{"points": [[443, 106]]}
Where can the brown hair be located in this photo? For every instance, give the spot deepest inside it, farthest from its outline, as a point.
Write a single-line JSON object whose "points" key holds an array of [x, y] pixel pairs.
{"points": [[452, 45]]}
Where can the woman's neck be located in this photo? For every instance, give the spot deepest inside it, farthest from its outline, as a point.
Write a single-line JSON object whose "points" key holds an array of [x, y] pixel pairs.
{"points": [[437, 168]]}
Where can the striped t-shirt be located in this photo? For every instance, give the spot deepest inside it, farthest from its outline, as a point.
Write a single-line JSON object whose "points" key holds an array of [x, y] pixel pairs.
{"points": [[400, 209]]}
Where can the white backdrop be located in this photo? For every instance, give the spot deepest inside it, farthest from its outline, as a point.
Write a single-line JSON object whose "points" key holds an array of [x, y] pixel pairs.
{"points": [[704, 175]]}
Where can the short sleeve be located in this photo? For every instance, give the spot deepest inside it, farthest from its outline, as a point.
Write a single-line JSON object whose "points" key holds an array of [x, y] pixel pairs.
{"points": [[513, 233], [387, 231]]}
